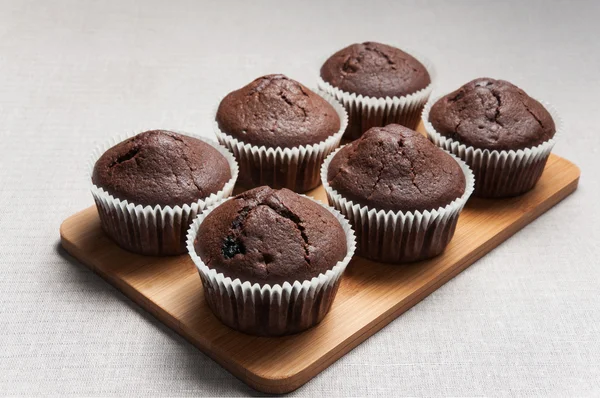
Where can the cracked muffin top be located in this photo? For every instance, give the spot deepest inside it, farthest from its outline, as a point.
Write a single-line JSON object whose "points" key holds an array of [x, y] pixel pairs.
{"points": [[269, 236], [375, 70], [161, 168], [395, 168], [492, 114], [276, 111]]}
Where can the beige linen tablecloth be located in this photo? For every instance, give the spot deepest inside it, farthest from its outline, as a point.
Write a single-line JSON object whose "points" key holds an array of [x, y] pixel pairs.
{"points": [[523, 321]]}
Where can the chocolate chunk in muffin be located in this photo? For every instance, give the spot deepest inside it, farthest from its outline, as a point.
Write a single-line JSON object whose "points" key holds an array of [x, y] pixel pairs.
{"points": [[492, 114], [375, 70], [161, 168], [269, 236], [276, 111], [395, 168]]}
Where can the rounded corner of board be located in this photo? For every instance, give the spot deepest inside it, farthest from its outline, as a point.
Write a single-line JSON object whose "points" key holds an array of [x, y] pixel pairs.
{"points": [[277, 383]]}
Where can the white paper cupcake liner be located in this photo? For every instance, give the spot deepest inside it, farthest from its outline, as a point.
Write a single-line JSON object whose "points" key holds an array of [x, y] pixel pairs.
{"points": [[365, 112], [295, 168], [499, 173], [152, 230], [270, 310], [400, 237]]}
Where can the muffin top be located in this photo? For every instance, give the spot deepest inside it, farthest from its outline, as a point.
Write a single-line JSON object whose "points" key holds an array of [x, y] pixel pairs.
{"points": [[395, 168], [276, 111], [161, 168], [375, 70], [269, 236], [492, 114]]}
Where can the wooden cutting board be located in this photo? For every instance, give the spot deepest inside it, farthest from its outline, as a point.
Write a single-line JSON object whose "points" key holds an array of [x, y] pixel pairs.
{"points": [[370, 295]]}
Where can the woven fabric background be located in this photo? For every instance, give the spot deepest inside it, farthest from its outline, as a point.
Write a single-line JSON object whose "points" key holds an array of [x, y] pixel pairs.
{"points": [[523, 321]]}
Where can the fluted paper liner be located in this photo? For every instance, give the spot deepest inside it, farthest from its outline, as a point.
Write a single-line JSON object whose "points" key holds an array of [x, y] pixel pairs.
{"points": [[270, 310], [295, 168], [152, 230], [399, 237], [365, 112], [499, 173]]}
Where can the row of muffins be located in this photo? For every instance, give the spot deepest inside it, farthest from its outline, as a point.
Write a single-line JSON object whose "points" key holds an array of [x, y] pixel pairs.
{"points": [[271, 260]]}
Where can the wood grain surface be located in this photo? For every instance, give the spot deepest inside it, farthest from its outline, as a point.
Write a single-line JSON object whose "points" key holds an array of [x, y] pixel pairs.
{"points": [[370, 296]]}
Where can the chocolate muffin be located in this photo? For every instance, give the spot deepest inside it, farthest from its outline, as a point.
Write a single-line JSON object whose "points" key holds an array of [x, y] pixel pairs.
{"points": [[397, 169], [280, 132], [270, 261], [502, 133], [492, 114], [375, 70], [401, 193], [175, 175], [378, 85], [161, 168], [266, 236], [276, 111]]}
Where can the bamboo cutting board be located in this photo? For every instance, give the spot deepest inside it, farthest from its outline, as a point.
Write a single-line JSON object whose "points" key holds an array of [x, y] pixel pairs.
{"points": [[370, 295]]}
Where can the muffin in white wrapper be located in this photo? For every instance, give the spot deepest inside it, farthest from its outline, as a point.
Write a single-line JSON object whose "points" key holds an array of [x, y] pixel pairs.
{"points": [[296, 168], [153, 230], [400, 237], [365, 112], [270, 310], [499, 173]]}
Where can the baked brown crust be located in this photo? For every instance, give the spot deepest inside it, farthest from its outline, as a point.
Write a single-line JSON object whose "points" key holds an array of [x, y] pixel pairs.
{"points": [[375, 70], [492, 114], [276, 111], [395, 168], [269, 236], [161, 168]]}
